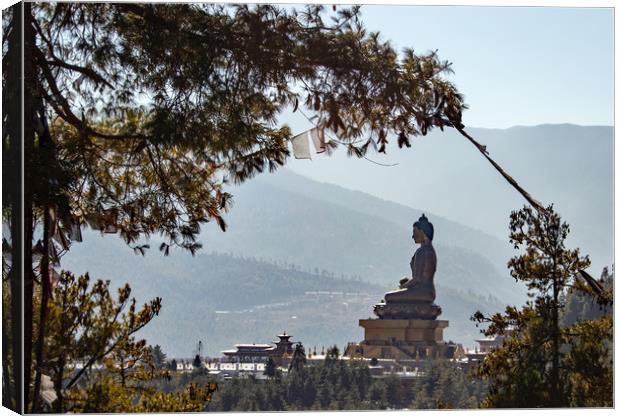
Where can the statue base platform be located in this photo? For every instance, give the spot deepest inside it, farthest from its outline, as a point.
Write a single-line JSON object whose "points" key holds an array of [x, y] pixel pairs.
{"points": [[407, 311], [402, 339], [403, 330]]}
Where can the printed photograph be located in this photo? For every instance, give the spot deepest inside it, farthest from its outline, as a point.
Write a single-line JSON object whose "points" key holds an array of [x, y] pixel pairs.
{"points": [[221, 207]]}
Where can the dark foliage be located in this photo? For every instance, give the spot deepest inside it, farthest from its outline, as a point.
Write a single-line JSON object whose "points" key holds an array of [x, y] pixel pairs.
{"points": [[149, 132], [135, 115], [336, 384], [542, 362]]}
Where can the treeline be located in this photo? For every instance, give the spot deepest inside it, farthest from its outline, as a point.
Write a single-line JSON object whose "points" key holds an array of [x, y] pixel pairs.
{"points": [[337, 384], [283, 264], [232, 283], [582, 306]]}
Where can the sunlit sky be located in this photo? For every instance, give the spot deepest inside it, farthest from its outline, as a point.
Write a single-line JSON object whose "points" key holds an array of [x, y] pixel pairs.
{"points": [[515, 65]]}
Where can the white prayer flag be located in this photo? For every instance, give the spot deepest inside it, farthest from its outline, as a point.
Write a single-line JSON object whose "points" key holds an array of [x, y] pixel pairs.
{"points": [[318, 138], [47, 392], [301, 147], [76, 232]]}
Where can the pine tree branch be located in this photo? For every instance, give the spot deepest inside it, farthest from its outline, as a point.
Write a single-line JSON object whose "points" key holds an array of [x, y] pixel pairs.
{"points": [[107, 351], [90, 73], [55, 61], [65, 112]]}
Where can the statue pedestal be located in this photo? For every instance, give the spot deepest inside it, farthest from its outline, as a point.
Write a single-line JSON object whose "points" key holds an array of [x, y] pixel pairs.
{"points": [[401, 339], [403, 330]]}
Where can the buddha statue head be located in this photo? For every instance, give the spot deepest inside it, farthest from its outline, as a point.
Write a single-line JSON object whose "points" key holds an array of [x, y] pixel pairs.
{"points": [[423, 230]]}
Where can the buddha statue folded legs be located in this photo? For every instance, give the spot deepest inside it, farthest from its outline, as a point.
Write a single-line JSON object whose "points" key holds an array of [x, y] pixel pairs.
{"points": [[422, 293]]}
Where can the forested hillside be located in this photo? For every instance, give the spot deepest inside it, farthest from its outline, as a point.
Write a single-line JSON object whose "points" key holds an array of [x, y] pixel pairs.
{"points": [[288, 235], [223, 300], [355, 234]]}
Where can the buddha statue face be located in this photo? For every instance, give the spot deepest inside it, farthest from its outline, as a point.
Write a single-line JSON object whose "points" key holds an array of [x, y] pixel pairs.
{"points": [[418, 236]]}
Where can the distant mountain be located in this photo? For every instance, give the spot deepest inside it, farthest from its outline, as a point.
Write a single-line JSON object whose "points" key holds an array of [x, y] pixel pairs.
{"points": [[289, 218], [223, 300], [567, 165], [288, 236], [449, 233], [312, 258]]}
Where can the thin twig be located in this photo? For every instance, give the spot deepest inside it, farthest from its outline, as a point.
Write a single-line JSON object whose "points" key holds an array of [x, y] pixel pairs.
{"points": [[381, 164]]}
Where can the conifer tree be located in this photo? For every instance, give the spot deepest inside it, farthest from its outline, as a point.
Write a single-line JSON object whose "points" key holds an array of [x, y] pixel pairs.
{"points": [[324, 395], [395, 393], [298, 361], [158, 357], [270, 368], [136, 115], [274, 397], [377, 395], [583, 306], [88, 325], [543, 364]]}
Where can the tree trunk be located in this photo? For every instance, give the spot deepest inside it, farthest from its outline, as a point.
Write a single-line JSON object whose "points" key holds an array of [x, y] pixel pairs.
{"points": [[555, 366], [7, 393], [29, 113], [12, 190], [45, 290], [58, 386]]}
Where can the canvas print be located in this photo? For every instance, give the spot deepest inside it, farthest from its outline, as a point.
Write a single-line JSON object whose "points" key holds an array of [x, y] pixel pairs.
{"points": [[302, 207]]}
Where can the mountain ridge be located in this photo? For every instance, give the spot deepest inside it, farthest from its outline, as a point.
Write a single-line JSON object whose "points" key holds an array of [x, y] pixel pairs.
{"points": [[375, 248], [568, 165], [229, 300], [290, 219]]}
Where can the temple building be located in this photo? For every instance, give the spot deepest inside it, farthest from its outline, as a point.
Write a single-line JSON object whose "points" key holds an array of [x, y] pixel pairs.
{"points": [[487, 345], [260, 353]]}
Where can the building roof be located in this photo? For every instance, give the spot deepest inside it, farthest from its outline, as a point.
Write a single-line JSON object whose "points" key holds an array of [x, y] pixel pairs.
{"points": [[249, 349], [253, 346], [259, 349], [490, 339]]}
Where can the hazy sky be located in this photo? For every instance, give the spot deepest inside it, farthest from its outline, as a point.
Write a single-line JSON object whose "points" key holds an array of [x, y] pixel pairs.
{"points": [[515, 65]]}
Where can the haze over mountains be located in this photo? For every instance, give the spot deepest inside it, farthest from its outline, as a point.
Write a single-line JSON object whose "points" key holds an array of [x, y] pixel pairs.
{"points": [[223, 299], [443, 173], [284, 244], [290, 237], [287, 217]]}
